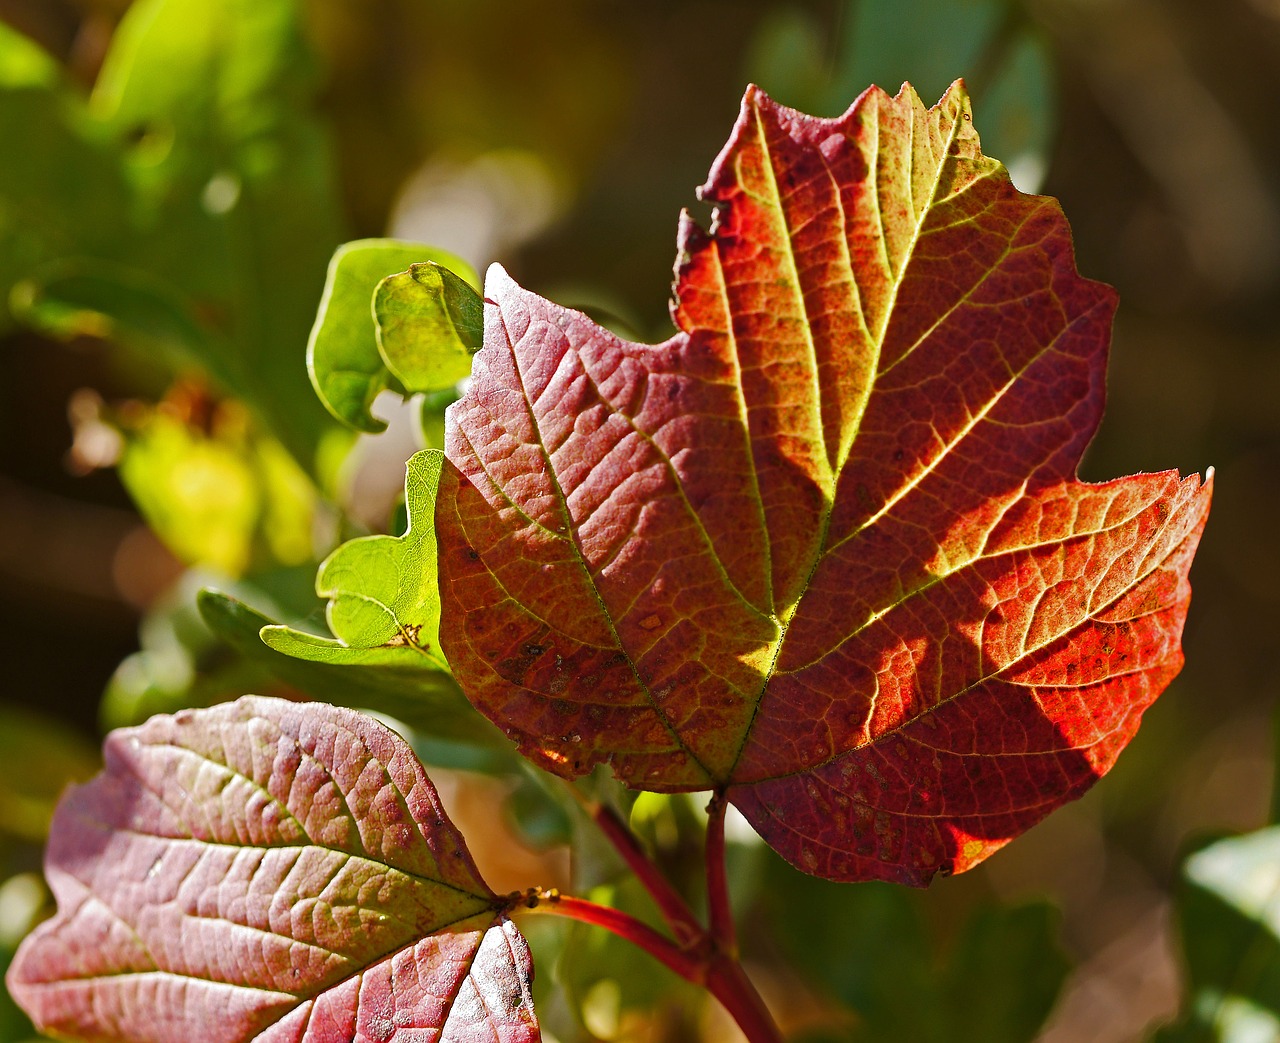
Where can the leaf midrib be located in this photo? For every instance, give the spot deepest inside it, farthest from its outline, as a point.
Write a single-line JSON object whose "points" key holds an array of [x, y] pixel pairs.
{"points": [[878, 341], [576, 549]]}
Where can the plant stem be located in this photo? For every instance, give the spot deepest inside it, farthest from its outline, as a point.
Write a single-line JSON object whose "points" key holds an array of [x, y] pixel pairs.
{"points": [[719, 910], [728, 982], [706, 958], [718, 972], [690, 965], [675, 911]]}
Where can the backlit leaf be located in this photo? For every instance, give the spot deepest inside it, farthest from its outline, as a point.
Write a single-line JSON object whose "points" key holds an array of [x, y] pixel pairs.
{"points": [[347, 369], [824, 549], [429, 324], [268, 871], [384, 606]]}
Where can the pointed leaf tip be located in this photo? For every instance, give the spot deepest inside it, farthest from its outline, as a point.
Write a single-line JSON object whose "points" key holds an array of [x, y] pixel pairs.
{"points": [[825, 548], [268, 871]]}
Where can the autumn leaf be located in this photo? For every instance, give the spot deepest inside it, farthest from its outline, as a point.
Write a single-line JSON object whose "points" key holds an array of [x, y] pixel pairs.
{"points": [[824, 549], [268, 871]]}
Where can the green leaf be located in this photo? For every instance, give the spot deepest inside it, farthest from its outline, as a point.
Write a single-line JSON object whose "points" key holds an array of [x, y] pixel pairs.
{"points": [[1229, 914], [234, 185], [233, 500], [24, 63], [195, 191], [425, 699], [383, 613], [384, 603], [348, 371], [1019, 109], [63, 192], [180, 662], [81, 296], [429, 324]]}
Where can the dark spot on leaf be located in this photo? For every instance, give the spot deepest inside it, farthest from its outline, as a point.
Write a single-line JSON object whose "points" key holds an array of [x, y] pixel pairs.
{"points": [[533, 650], [406, 637]]}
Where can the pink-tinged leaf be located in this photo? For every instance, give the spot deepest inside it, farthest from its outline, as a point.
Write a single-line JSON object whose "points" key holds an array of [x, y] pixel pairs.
{"points": [[824, 549], [275, 872]]}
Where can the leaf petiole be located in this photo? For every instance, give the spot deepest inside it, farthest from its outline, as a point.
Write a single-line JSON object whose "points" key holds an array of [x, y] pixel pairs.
{"points": [[706, 958], [720, 912], [704, 964], [686, 962], [675, 911]]}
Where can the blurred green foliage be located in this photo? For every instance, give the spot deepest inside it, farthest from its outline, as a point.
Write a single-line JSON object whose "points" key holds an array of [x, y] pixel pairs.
{"points": [[187, 207], [1228, 912], [1002, 54], [868, 947]]}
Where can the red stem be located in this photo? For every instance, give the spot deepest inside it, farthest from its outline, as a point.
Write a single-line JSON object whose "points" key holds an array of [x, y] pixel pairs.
{"points": [[721, 974], [709, 959], [721, 913], [689, 965], [679, 917], [729, 983]]}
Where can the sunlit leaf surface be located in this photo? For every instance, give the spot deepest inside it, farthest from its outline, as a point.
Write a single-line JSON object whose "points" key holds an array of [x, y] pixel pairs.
{"points": [[824, 549], [268, 871]]}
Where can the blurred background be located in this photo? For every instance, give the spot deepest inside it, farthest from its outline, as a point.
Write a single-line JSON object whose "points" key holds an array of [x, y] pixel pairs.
{"points": [[173, 180]]}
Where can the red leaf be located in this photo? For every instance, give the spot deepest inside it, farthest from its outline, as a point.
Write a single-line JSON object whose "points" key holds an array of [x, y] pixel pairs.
{"points": [[268, 871], [823, 549]]}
